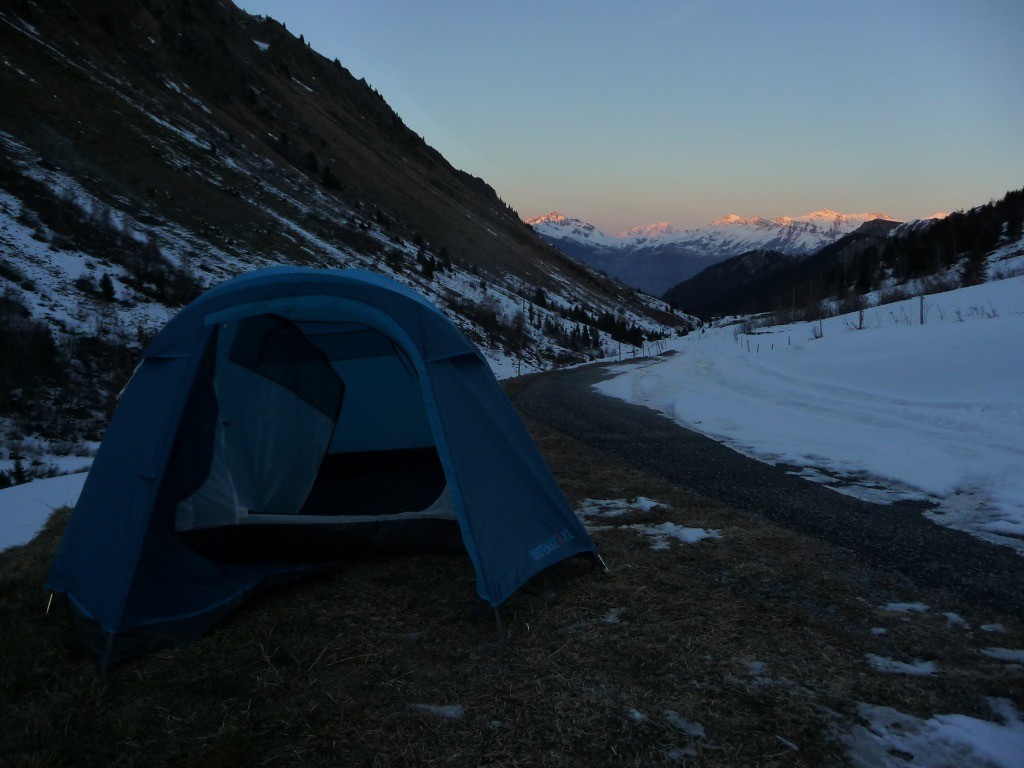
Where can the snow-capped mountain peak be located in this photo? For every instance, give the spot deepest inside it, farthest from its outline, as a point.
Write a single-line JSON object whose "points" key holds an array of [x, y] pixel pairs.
{"points": [[657, 256], [657, 229], [826, 215], [554, 218], [555, 226], [732, 218]]}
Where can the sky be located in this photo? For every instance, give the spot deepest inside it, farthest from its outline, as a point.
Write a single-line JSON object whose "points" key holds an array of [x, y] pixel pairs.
{"points": [[626, 113]]}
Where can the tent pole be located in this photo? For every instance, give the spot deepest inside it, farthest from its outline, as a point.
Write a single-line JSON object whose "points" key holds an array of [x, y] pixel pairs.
{"points": [[49, 604], [502, 637]]}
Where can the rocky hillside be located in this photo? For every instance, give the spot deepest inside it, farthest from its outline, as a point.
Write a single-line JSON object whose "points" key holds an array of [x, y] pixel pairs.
{"points": [[151, 149]]}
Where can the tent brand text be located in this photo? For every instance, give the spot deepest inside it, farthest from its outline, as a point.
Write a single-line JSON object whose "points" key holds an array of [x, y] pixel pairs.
{"points": [[545, 548]]}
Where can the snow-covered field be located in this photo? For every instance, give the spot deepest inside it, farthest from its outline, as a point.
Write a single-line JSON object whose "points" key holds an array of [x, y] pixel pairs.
{"points": [[25, 508], [897, 410]]}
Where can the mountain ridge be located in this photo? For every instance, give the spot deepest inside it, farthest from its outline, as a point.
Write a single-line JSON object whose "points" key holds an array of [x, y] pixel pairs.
{"points": [[897, 259], [656, 257]]}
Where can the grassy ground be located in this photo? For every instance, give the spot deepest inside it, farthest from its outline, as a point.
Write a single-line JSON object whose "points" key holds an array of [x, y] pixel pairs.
{"points": [[330, 671]]}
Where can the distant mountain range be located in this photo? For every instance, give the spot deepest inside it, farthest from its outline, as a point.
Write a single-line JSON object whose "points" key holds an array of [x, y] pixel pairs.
{"points": [[657, 256], [741, 283], [881, 257]]}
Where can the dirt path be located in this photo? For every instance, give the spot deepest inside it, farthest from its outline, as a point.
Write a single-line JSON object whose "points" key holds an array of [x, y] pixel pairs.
{"points": [[895, 538]]}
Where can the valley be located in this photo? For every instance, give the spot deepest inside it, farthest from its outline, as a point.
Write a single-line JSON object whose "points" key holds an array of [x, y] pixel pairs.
{"points": [[658, 257], [793, 440]]}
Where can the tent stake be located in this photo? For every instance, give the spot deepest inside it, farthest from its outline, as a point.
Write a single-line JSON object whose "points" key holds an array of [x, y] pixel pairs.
{"points": [[49, 604]]}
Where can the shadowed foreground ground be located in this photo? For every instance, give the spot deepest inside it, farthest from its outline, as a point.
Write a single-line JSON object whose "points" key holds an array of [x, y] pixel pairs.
{"points": [[759, 637], [894, 538]]}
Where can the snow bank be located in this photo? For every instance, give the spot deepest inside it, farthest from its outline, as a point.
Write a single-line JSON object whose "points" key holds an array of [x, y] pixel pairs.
{"points": [[892, 739], [661, 533], [894, 667], [24, 509], [898, 410]]}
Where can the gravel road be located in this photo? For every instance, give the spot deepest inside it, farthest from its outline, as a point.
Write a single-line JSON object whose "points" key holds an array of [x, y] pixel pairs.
{"points": [[894, 538]]}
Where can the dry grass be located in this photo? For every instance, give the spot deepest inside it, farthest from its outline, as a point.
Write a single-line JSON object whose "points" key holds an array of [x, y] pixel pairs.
{"points": [[327, 672]]}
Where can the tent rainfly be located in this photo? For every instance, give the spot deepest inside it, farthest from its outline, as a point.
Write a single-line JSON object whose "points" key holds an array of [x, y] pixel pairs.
{"points": [[283, 419]]}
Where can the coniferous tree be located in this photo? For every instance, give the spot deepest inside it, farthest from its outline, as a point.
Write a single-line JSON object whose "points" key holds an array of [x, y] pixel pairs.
{"points": [[19, 474], [106, 287], [428, 267], [328, 179]]}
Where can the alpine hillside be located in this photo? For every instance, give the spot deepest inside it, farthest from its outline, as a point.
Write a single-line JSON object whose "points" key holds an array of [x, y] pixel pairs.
{"points": [[656, 257], [879, 262], [149, 150]]}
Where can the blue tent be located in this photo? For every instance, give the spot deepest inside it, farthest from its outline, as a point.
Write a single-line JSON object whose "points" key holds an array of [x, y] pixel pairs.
{"points": [[285, 418]]}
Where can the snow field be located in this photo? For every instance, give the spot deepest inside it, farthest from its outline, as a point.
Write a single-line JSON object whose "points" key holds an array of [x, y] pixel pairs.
{"points": [[24, 509], [898, 410]]}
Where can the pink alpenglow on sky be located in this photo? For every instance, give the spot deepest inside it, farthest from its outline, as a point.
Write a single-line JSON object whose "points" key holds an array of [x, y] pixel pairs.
{"points": [[622, 114]]}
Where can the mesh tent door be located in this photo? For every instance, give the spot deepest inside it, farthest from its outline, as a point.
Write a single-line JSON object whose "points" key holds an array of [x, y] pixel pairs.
{"points": [[278, 400]]}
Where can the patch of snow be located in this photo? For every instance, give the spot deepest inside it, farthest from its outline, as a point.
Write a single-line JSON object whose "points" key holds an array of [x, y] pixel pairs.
{"points": [[956, 620], [261, 45], [1006, 527], [756, 667], [892, 739], [615, 507], [878, 631], [637, 716], [1015, 655], [644, 504], [662, 532], [689, 727], [992, 628], [24, 509], [788, 743], [447, 711], [905, 607], [894, 667]]}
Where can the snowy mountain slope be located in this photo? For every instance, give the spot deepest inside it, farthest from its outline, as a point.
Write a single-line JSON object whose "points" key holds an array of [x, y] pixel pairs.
{"points": [[658, 229], [130, 181], [657, 256], [554, 226], [52, 277]]}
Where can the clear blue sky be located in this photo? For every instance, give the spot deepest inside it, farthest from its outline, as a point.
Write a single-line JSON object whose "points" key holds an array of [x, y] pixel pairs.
{"points": [[625, 113]]}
